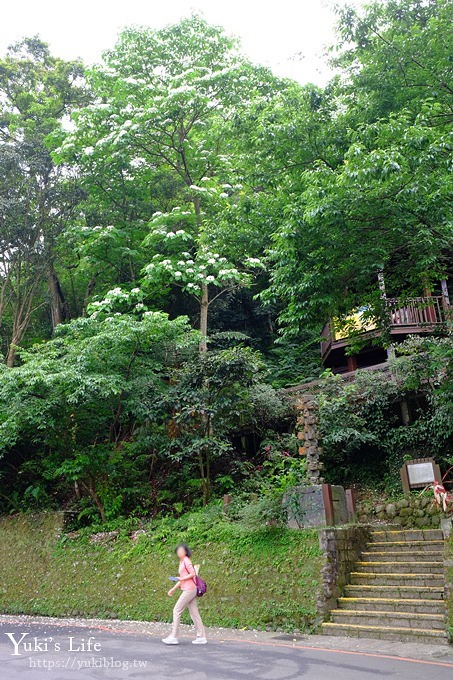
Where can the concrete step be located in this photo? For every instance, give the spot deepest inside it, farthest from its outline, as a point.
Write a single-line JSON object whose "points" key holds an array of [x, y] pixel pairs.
{"points": [[400, 567], [406, 546], [407, 535], [410, 620], [404, 556], [385, 633], [387, 604], [399, 579], [396, 591]]}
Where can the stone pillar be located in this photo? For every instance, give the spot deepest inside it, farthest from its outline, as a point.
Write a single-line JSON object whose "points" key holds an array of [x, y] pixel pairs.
{"points": [[405, 415], [309, 437]]}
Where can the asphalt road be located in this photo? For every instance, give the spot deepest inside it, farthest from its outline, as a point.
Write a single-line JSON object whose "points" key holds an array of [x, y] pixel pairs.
{"points": [[65, 652]]}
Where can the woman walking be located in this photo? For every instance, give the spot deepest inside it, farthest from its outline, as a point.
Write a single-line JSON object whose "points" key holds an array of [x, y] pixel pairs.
{"points": [[187, 599]]}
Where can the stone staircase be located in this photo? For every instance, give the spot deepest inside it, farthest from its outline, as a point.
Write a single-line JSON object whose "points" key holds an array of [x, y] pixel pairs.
{"points": [[396, 590]]}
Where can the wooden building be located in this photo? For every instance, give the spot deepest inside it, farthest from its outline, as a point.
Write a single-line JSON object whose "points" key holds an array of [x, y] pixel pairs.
{"points": [[415, 316]]}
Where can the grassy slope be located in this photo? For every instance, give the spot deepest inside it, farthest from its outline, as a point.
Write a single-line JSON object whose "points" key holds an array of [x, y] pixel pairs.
{"points": [[262, 578]]}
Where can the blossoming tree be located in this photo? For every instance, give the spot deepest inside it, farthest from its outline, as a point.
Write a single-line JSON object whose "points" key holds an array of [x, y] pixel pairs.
{"points": [[164, 106]]}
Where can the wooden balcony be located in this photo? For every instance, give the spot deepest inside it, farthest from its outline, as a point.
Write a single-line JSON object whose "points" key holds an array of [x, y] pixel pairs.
{"points": [[417, 316]]}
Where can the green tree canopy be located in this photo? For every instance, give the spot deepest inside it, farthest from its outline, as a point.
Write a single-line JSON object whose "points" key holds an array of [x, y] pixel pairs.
{"points": [[384, 204]]}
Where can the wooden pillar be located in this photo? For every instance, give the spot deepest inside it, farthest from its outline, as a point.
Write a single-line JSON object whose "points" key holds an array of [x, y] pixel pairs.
{"points": [[350, 503], [328, 504], [445, 296], [352, 363]]}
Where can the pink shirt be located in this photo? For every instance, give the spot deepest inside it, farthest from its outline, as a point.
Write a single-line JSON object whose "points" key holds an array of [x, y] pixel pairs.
{"points": [[186, 568]]}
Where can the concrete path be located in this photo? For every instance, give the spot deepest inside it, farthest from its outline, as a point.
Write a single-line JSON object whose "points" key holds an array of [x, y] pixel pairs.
{"points": [[34, 648]]}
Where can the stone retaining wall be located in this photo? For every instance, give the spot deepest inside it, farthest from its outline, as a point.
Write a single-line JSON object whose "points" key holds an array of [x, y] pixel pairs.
{"points": [[447, 528], [413, 511], [342, 547]]}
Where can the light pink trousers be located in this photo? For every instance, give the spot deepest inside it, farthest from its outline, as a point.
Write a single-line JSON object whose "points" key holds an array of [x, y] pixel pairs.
{"points": [[187, 600]]}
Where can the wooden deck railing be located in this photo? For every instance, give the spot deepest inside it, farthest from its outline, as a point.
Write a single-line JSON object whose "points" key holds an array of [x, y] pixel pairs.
{"points": [[420, 311], [418, 314]]}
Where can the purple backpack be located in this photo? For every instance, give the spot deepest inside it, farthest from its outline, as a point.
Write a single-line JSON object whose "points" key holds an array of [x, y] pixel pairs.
{"points": [[201, 586]]}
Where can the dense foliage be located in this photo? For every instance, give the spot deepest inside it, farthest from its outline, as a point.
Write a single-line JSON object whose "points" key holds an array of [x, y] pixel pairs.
{"points": [[372, 425], [176, 226]]}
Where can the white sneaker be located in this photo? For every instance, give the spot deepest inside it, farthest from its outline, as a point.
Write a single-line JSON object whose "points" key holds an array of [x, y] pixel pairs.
{"points": [[170, 640], [200, 641]]}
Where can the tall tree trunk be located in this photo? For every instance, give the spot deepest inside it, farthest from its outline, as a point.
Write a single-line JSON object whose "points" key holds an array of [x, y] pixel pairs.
{"points": [[17, 335], [58, 308], [204, 303], [95, 497], [11, 355], [203, 454], [23, 311], [204, 307], [89, 290]]}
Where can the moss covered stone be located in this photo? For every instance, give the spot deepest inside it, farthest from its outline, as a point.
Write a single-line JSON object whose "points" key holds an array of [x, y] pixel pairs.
{"points": [[403, 503], [422, 522], [391, 510]]}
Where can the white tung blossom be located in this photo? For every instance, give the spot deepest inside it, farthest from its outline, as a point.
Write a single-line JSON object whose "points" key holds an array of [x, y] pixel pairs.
{"points": [[137, 162]]}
